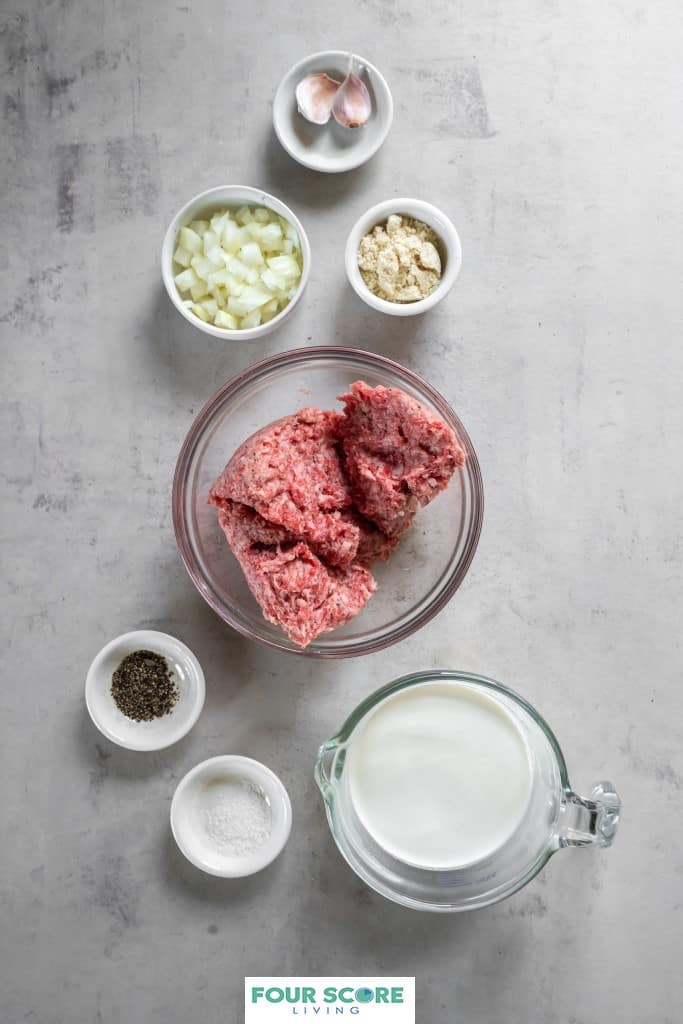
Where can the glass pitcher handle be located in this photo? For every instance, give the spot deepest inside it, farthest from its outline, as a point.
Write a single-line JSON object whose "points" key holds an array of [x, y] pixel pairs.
{"points": [[324, 764], [592, 821]]}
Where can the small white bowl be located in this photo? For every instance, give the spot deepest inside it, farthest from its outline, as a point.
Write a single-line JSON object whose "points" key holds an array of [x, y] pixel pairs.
{"points": [[450, 251], [190, 800], [207, 203], [330, 147], [160, 732]]}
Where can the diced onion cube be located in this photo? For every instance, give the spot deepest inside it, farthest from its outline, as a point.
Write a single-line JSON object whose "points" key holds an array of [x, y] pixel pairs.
{"points": [[251, 320], [231, 236], [227, 320], [210, 239], [200, 312], [199, 290], [271, 280], [237, 307], [185, 279], [237, 268], [252, 298], [271, 236], [216, 255], [284, 266], [251, 254], [269, 311], [219, 277], [189, 240], [218, 223], [202, 267], [182, 256]]}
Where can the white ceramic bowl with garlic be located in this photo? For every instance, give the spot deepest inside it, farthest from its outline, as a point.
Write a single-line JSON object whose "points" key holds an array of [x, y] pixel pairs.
{"points": [[235, 262], [331, 146], [447, 244]]}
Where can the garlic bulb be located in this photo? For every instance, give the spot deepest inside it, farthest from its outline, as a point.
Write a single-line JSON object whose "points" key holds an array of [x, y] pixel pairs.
{"points": [[351, 105], [314, 97]]}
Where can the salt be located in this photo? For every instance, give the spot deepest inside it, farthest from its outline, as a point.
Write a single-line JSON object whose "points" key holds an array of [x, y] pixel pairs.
{"points": [[237, 816]]}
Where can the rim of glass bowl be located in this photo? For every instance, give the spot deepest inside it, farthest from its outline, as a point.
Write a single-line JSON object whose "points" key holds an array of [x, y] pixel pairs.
{"points": [[377, 641]]}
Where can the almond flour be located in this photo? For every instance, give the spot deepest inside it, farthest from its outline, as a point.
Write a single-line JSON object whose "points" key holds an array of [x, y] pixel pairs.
{"points": [[399, 259]]}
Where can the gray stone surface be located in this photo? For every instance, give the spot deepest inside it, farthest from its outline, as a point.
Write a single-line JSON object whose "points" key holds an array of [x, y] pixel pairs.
{"points": [[551, 133]]}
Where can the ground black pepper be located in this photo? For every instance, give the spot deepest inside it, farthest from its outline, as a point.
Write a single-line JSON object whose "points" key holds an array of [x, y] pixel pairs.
{"points": [[142, 686]]}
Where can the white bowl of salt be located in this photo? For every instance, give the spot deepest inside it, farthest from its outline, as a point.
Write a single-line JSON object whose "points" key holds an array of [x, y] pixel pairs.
{"points": [[231, 816]]}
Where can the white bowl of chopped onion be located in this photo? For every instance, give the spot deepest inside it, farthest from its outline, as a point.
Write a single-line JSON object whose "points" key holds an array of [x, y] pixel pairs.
{"points": [[235, 262]]}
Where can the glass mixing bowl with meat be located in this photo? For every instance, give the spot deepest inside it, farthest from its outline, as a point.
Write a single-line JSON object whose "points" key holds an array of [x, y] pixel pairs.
{"points": [[333, 544]]}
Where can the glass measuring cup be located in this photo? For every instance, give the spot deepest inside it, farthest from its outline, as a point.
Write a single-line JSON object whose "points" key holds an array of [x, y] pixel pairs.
{"points": [[555, 817]]}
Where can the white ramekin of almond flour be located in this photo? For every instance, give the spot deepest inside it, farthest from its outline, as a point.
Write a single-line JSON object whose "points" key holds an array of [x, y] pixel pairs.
{"points": [[449, 247]]}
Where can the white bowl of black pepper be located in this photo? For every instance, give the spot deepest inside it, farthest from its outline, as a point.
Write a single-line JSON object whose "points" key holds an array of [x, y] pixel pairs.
{"points": [[403, 257], [145, 690]]}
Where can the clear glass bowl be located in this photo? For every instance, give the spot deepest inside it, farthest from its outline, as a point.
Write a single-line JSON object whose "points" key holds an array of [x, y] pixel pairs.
{"points": [[432, 559]]}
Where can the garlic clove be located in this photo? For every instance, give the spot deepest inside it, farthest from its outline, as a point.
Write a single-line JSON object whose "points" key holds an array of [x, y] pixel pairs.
{"points": [[314, 96], [352, 106]]}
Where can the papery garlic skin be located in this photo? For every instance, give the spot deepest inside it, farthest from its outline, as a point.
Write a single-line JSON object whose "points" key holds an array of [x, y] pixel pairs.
{"points": [[351, 106], [315, 95]]}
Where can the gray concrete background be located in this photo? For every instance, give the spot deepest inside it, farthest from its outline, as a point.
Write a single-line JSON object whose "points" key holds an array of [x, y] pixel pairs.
{"points": [[552, 134]]}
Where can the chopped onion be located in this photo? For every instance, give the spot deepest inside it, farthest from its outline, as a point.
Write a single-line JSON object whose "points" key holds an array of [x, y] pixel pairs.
{"points": [[182, 256], [185, 280], [199, 311], [251, 254], [252, 319], [189, 240], [240, 269], [227, 320], [199, 290]]}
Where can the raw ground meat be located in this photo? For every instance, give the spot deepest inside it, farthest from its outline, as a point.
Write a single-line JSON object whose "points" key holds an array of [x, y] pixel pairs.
{"points": [[373, 545], [309, 502], [397, 453], [245, 528], [294, 588], [291, 473]]}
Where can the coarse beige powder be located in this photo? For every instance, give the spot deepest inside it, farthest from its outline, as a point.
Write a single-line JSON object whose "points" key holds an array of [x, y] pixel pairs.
{"points": [[399, 260]]}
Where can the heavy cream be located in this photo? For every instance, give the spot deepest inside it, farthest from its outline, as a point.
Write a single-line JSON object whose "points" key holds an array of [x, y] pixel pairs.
{"points": [[440, 775]]}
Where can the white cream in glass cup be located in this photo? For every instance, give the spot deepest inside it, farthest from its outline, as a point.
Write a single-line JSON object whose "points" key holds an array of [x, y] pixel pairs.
{"points": [[450, 828]]}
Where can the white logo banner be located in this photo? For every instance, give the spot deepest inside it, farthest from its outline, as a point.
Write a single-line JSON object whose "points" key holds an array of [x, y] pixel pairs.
{"points": [[305, 1000]]}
